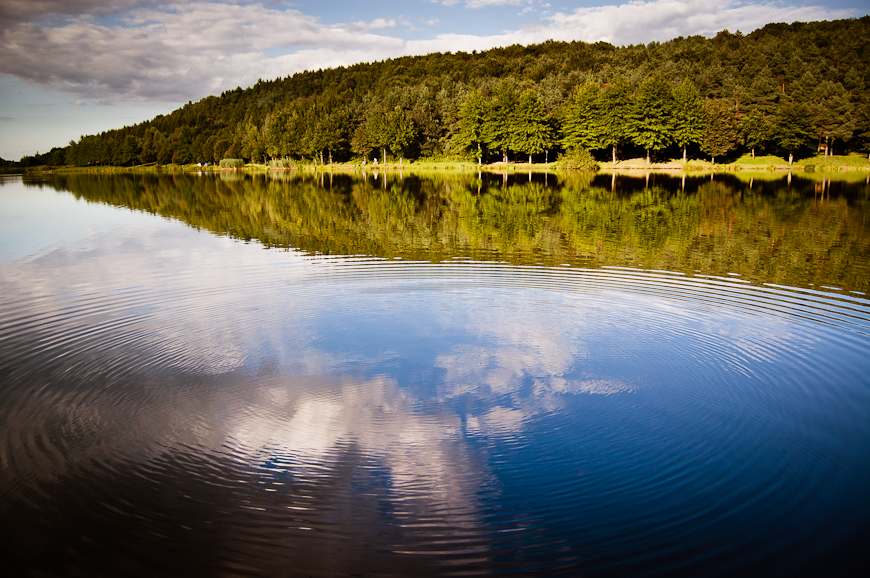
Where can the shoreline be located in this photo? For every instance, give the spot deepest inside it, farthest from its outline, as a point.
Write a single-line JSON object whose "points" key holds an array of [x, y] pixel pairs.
{"points": [[808, 165]]}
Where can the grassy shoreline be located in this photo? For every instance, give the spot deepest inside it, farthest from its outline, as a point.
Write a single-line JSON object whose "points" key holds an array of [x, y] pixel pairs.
{"points": [[773, 164]]}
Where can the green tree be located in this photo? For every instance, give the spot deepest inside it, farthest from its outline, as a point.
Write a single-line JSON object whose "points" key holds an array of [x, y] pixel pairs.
{"points": [[720, 128], [498, 125], [332, 132], [253, 145], [833, 113], [581, 124], [651, 123], [755, 130], [378, 129], [615, 109], [472, 117], [220, 149], [792, 129], [531, 130], [400, 132], [208, 147], [688, 116], [362, 141]]}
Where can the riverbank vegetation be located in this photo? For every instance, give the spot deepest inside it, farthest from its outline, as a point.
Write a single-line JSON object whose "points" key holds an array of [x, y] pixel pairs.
{"points": [[788, 90]]}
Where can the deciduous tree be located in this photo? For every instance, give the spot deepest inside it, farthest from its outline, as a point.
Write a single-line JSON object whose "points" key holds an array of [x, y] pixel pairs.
{"points": [[720, 128]]}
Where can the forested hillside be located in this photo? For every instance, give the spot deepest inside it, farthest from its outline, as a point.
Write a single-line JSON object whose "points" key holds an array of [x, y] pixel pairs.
{"points": [[783, 89]]}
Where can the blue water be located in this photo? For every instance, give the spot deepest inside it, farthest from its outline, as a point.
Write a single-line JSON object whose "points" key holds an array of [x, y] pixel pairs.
{"points": [[178, 403]]}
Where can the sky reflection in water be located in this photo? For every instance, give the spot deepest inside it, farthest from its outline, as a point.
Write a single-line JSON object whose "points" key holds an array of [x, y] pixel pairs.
{"points": [[250, 411]]}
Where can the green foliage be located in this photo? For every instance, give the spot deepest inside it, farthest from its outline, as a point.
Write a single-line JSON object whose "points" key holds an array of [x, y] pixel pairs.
{"points": [[720, 129], [581, 125], [472, 117], [688, 122], [832, 112], [616, 106], [400, 131], [755, 130], [578, 158], [459, 102], [232, 163], [498, 128], [284, 163], [792, 129], [652, 123], [531, 130]]}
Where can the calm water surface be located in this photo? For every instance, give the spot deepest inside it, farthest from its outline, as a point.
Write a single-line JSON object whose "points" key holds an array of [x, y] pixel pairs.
{"points": [[434, 375]]}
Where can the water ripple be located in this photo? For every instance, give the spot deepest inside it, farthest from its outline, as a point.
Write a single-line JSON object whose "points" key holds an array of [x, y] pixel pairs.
{"points": [[335, 415]]}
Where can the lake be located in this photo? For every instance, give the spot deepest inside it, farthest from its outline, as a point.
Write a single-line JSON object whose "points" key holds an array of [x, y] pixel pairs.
{"points": [[299, 374]]}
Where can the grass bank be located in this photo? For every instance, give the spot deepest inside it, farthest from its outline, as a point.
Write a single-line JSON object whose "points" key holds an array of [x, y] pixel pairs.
{"points": [[746, 163]]}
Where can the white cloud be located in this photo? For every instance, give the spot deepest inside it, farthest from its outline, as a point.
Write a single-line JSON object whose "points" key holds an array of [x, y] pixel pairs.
{"points": [[637, 22], [186, 50], [28, 10], [182, 51], [490, 3]]}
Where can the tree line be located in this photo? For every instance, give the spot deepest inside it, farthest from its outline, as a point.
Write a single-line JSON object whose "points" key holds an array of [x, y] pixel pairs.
{"points": [[783, 89]]}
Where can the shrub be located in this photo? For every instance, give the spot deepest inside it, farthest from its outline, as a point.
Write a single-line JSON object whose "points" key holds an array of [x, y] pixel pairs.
{"points": [[232, 163], [809, 168], [281, 164], [578, 158]]}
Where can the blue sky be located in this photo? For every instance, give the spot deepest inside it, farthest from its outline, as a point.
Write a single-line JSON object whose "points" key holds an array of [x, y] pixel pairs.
{"points": [[74, 67]]}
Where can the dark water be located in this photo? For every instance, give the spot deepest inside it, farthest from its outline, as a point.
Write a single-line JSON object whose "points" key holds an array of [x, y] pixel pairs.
{"points": [[434, 375]]}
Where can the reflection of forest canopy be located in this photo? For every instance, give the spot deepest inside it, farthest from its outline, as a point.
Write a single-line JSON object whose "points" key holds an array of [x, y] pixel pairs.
{"points": [[771, 233], [781, 88]]}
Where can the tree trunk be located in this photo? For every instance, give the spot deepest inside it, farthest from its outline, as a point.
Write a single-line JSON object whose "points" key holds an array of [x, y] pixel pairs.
{"points": [[647, 156], [321, 157], [479, 159], [504, 156], [400, 160], [827, 146], [753, 152], [547, 157], [832, 146], [330, 157], [530, 159], [713, 160], [385, 156], [790, 158], [684, 154], [614, 154]]}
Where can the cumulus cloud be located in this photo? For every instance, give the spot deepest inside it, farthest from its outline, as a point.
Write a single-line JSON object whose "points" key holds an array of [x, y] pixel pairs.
{"points": [[637, 21], [181, 51], [484, 3], [21, 10], [488, 3], [186, 50]]}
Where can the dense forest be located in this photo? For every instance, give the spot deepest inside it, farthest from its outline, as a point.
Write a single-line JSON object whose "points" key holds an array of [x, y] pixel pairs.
{"points": [[792, 234], [784, 89]]}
